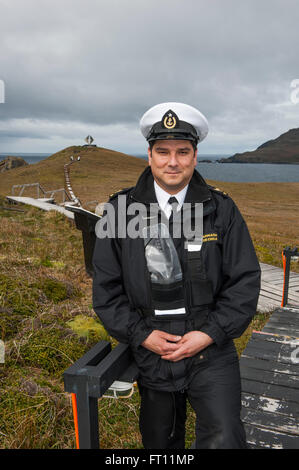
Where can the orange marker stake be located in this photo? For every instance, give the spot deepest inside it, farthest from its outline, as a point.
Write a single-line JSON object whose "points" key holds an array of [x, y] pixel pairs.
{"points": [[75, 414], [284, 275]]}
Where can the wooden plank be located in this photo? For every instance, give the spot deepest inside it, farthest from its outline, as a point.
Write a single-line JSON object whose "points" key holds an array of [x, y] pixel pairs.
{"points": [[266, 438], [292, 304], [271, 290], [277, 348], [276, 282], [271, 420], [268, 304], [281, 340], [259, 364], [267, 355], [273, 272], [278, 406], [294, 289], [41, 205], [277, 338], [293, 298], [268, 301], [288, 325], [287, 309], [271, 296], [277, 296], [266, 286], [291, 327], [265, 267], [270, 391], [280, 329], [272, 276], [291, 309], [285, 314], [270, 380], [269, 377], [265, 307], [287, 320]]}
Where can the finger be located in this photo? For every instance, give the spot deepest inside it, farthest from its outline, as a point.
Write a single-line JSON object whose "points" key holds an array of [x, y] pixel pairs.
{"points": [[182, 340], [174, 356], [170, 348], [170, 337]]}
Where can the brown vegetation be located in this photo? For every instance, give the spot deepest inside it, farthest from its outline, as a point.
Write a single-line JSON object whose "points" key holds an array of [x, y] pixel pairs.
{"points": [[44, 288]]}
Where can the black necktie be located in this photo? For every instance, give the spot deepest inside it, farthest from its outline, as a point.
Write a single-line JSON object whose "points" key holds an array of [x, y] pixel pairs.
{"points": [[174, 206], [177, 241]]}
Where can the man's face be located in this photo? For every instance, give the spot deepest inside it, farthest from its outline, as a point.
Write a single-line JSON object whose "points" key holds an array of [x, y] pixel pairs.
{"points": [[172, 163]]}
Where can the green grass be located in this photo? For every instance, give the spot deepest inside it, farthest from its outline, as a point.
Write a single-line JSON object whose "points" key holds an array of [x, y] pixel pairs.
{"points": [[47, 323]]}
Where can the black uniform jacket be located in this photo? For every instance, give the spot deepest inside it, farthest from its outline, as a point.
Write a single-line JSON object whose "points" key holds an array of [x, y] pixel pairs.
{"points": [[122, 291]]}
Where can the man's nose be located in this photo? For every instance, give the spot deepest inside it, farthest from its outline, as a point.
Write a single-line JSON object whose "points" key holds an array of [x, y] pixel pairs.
{"points": [[172, 161]]}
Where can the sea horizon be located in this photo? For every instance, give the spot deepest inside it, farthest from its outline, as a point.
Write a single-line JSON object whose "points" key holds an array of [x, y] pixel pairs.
{"points": [[228, 172]]}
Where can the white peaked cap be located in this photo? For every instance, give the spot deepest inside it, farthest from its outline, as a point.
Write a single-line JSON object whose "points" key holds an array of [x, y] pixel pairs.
{"points": [[183, 111]]}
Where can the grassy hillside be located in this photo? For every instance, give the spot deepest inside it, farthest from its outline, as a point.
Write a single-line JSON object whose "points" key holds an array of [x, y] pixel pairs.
{"points": [[46, 316], [47, 322], [99, 173], [270, 209]]}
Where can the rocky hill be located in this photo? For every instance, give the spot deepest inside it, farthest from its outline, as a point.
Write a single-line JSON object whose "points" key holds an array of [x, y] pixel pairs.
{"points": [[9, 163], [283, 149]]}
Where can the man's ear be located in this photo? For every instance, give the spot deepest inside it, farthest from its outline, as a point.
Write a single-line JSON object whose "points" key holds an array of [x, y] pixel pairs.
{"points": [[149, 154], [195, 157]]}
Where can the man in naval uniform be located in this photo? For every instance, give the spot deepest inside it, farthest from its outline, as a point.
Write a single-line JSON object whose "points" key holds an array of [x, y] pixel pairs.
{"points": [[181, 328]]}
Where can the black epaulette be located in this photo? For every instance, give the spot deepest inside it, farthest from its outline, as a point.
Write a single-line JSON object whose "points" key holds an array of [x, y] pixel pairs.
{"points": [[121, 191], [218, 191]]}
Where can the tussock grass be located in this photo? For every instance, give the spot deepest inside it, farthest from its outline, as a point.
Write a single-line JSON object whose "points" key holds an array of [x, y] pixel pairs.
{"points": [[43, 290]]}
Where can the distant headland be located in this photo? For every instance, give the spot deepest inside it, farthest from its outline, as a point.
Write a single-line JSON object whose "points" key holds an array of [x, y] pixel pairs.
{"points": [[283, 149]]}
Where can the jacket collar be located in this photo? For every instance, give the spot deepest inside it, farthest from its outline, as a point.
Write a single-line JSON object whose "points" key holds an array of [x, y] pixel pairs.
{"points": [[144, 191]]}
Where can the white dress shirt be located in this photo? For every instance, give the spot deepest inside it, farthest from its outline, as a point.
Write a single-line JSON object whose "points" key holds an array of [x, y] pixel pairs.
{"points": [[163, 197]]}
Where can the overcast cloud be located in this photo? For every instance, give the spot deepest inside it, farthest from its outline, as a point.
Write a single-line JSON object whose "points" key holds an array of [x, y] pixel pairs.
{"points": [[74, 67]]}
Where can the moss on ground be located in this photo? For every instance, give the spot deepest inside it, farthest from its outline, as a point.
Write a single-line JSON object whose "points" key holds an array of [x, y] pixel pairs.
{"points": [[51, 349], [88, 327], [18, 296], [56, 290]]}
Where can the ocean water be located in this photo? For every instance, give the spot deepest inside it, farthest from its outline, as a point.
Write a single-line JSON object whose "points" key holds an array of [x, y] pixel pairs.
{"points": [[237, 172], [249, 172], [244, 172], [30, 158]]}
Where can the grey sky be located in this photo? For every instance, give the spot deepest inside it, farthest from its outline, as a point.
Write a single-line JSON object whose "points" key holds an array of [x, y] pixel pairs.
{"points": [[74, 67]]}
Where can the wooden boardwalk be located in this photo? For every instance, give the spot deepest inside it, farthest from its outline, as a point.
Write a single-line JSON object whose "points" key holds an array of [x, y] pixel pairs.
{"points": [[272, 288], [270, 383], [46, 206]]}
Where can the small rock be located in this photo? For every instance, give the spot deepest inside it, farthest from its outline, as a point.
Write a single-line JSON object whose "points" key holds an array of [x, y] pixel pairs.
{"points": [[100, 208]]}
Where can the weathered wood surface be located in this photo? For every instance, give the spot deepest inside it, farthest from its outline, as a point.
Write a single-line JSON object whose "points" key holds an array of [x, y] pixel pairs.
{"points": [[270, 383], [41, 205], [272, 287]]}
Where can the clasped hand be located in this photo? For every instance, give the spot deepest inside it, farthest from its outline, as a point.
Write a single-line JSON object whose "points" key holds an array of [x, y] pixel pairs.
{"points": [[175, 348]]}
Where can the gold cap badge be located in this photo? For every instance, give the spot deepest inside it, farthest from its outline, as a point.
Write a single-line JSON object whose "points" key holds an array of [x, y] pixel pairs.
{"points": [[170, 120]]}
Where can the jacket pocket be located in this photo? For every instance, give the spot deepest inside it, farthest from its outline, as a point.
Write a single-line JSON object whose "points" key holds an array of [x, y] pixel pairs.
{"points": [[201, 292]]}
